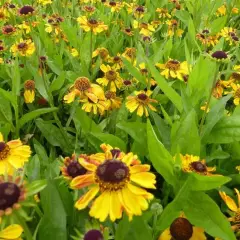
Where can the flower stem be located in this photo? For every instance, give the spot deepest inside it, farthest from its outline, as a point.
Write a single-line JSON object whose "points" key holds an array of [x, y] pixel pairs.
{"points": [[91, 50]]}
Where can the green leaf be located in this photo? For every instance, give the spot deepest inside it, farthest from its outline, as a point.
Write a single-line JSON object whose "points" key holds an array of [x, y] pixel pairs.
{"points": [[187, 137], [141, 230], [33, 168], [218, 24], [16, 78], [159, 156], [5, 109], [41, 152], [168, 91], [36, 187], [9, 96], [58, 82], [122, 228], [34, 114]]}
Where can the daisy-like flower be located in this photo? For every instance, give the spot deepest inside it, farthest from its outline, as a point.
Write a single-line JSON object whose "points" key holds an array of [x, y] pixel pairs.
{"points": [[130, 55], [26, 11], [207, 39], [114, 6], [141, 102], [72, 168], [182, 229], [83, 88], [235, 10], [93, 234], [230, 34], [89, 9], [13, 155], [192, 163], [220, 56], [128, 31], [173, 28], [235, 209], [74, 52], [236, 91], [146, 29], [95, 106], [111, 78], [116, 62], [29, 91], [235, 76], [120, 186], [112, 101], [174, 69], [145, 73], [91, 25], [163, 13], [23, 48], [221, 11], [8, 30], [12, 232], [102, 52], [4, 14]]}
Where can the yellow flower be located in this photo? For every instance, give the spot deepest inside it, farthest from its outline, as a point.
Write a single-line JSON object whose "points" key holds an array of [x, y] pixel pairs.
{"points": [[115, 6], [102, 52], [206, 39], [4, 14], [236, 91], [23, 48], [91, 25], [130, 55], [8, 30], [192, 163], [137, 10], [13, 155], [221, 11], [145, 72], [174, 69], [111, 78], [25, 27], [204, 107], [74, 52], [163, 13], [181, 228], [95, 106], [235, 10], [173, 28], [29, 91], [141, 103], [120, 184], [235, 76], [116, 62], [230, 34], [84, 89], [233, 207], [112, 101], [45, 2], [1, 60], [146, 29], [12, 232]]}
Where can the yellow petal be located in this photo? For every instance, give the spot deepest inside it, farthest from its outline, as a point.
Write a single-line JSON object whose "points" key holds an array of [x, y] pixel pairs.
{"points": [[140, 111], [144, 179], [82, 181], [1, 137], [140, 191], [166, 235], [89, 166], [139, 168], [198, 234], [115, 210], [229, 201], [11, 232]]}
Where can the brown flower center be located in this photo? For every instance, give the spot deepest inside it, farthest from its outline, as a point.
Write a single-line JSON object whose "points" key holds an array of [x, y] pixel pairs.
{"points": [[220, 55], [89, 9], [236, 76], [82, 84], [173, 65], [140, 9], [199, 167], [111, 75], [117, 59], [127, 82], [142, 96], [74, 169], [92, 23], [8, 29], [237, 93], [93, 235], [25, 10], [29, 85], [181, 229], [21, 45], [113, 4], [110, 95], [115, 152], [144, 71], [4, 151], [103, 53], [10, 194]]}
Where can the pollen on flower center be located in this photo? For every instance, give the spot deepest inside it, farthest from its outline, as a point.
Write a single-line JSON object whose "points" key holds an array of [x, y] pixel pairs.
{"points": [[74, 169], [22, 45], [29, 85], [82, 84], [111, 75], [4, 151], [173, 65], [181, 229], [92, 23], [112, 175], [10, 194], [142, 96], [199, 167]]}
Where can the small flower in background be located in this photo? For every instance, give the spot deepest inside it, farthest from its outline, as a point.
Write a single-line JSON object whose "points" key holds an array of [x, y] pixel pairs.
{"points": [[163, 13], [206, 39], [91, 25], [44, 2], [83, 88], [116, 62], [236, 91], [26, 11], [192, 163], [29, 91], [111, 79], [220, 56], [89, 9], [146, 29], [235, 76], [128, 31], [230, 34], [114, 6], [93, 234], [221, 11], [174, 69], [13, 155], [102, 52], [8, 30], [145, 73], [182, 229], [235, 10], [112, 101], [235, 209], [23, 48], [173, 28], [121, 182], [130, 55], [204, 108], [94, 106], [4, 14], [12, 232], [74, 52], [141, 102]]}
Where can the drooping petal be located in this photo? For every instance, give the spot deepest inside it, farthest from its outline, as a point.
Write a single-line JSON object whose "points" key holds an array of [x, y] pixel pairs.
{"points": [[116, 208], [140, 191], [11, 232], [144, 179], [229, 201], [139, 168], [82, 181], [89, 166]]}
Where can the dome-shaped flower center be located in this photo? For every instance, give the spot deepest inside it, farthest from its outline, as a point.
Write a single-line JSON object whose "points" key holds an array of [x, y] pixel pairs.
{"points": [[93, 235], [82, 84], [144, 25], [131, 52], [142, 96], [92, 23], [8, 29], [112, 172], [205, 31], [25, 10], [146, 39], [235, 76], [140, 9], [10, 194], [110, 95], [103, 53], [235, 38], [237, 93], [144, 71], [1, 48], [113, 4], [22, 45], [111, 75], [117, 59], [198, 166], [74, 169], [181, 229], [29, 85], [220, 55], [127, 82], [173, 65], [115, 152], [4, 150]]}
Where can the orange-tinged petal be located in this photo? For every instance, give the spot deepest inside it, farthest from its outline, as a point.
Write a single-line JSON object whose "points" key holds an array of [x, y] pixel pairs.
{"points": [[89, 166], [139, 168], [144, 179], [82, 181], [84, 200], [229, 201]]}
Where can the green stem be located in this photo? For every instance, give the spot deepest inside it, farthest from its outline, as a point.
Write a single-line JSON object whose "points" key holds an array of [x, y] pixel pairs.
{"points": [[27, 232], [91, 51]]}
